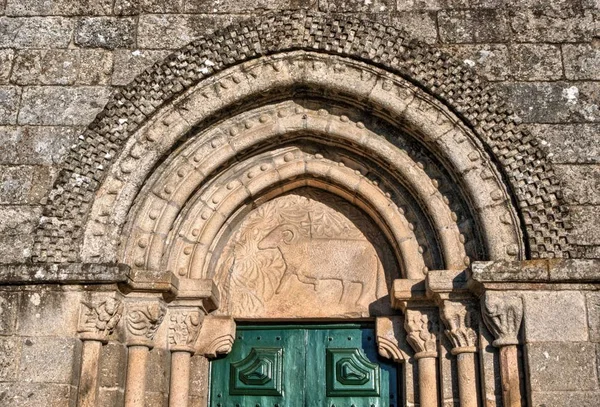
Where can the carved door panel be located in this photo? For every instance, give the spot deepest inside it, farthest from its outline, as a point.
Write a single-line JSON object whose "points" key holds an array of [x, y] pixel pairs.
{"points": [[310, 366]]}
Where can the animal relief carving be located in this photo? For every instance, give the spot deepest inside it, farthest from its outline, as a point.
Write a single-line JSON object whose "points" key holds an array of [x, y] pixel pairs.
{"points": [[98, 320]]}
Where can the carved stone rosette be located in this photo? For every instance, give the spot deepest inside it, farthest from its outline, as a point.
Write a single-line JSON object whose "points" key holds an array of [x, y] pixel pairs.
{"points": [[97, 320], [143, 320], [421, 328], [184, 327], [459, 321], [503, 314]]}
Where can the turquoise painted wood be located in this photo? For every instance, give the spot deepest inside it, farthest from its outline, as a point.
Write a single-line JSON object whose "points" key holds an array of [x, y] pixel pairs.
{"points": [[304, 366]]}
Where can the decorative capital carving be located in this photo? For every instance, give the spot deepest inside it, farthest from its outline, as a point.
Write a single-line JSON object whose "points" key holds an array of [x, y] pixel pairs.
{"points": [[503, 313], [388, 331], [216, 336], [143, 320], [421, 326], [459, 322], [184, 326], [97, 320]]}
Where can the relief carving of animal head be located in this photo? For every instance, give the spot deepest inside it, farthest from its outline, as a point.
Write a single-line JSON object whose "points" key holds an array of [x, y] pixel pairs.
{"points": [[282, 234]]}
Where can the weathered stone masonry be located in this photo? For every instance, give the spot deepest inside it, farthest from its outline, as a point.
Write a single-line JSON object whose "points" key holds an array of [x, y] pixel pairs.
{"points": [[141, 141]]}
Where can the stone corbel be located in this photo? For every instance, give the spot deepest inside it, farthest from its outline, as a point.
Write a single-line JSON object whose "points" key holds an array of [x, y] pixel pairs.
{"points": [[216, 336], [98, 318], [390, 338]]}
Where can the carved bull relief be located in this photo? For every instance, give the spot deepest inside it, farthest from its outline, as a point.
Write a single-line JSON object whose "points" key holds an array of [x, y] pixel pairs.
{"points": [[305, 254]]}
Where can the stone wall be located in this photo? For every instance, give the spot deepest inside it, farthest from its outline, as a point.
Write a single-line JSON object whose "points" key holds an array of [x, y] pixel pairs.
{"points": [[61, 60]]}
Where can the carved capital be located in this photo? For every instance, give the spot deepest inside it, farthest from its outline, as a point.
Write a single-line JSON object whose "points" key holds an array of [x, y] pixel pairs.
{"points": [[388, 331], [459, 321], [143, 320], [422, 328], [503, 313], [184, 327], [216, 336], [98, 319]]}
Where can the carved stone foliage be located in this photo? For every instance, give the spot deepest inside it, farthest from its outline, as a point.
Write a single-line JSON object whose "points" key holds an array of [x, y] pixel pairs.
{"points": [[503, 314], [459, 319], [143, 320], [97, 320], [422, 331], [306, 253], [184, 326]]}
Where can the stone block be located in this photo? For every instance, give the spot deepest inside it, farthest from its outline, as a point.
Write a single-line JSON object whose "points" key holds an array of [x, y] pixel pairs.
{"points": [[531, 62], [50, 360], [421, 25], [199, 378], [113, 366], [488, 60], [57, 7], [569, 143], [160, 31], [569, 24], [6, 60], [95, 67], [586, 223], [580, 183], [563, 399], [554, 102], [15, 248], [130, 63], [35, 32], [55, 105], [110, 397], [9, 305], [48, 313], [157, 370], [562, 366], [24, 184], [35, 145], [357, 6], [9, 104], [10, 350], [19, 220], [582, 61], [468, 26], [45, 67], [555, 316], [37, 394], [105, 32], [593, 312], [241, 6], [154, 399]]}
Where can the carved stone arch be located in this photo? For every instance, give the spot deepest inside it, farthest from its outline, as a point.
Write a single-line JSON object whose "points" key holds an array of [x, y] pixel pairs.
{"points": [[195, 86]]}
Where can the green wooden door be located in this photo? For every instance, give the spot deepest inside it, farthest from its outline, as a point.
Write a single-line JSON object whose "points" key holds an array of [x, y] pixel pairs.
{"points": [[304, 366]]}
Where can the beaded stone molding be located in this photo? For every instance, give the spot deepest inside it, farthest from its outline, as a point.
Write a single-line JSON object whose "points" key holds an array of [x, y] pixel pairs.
{"points": [[519, 157]]}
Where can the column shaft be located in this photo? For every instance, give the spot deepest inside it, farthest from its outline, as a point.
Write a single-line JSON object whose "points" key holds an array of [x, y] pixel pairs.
{"points": [[428, 391], [509, 373], [88, 381], [467, 381], [180, 379], [136, 376]]}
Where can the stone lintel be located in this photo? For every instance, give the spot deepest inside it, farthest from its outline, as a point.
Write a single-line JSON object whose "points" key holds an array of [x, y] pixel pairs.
{"points": [[203, 293], [64, 273], [447, 285], [407, 291], [147, 281], [543, 274]]}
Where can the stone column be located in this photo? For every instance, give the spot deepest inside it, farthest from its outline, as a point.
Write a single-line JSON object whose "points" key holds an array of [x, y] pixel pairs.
{"points": [[503, 314], [97, 320], [184, 326], [421, 328], [143, 318], [458, 319]]}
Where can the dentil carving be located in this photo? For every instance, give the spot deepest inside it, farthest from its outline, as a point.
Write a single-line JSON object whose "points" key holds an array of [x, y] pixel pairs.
{"points": [[98, 320], [458, 319], [421, 327], [143, 320], [503, 313], [183, 328]]}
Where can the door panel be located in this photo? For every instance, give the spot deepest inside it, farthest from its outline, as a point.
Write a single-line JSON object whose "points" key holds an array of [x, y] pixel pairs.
{"points": [[304, 366]]}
